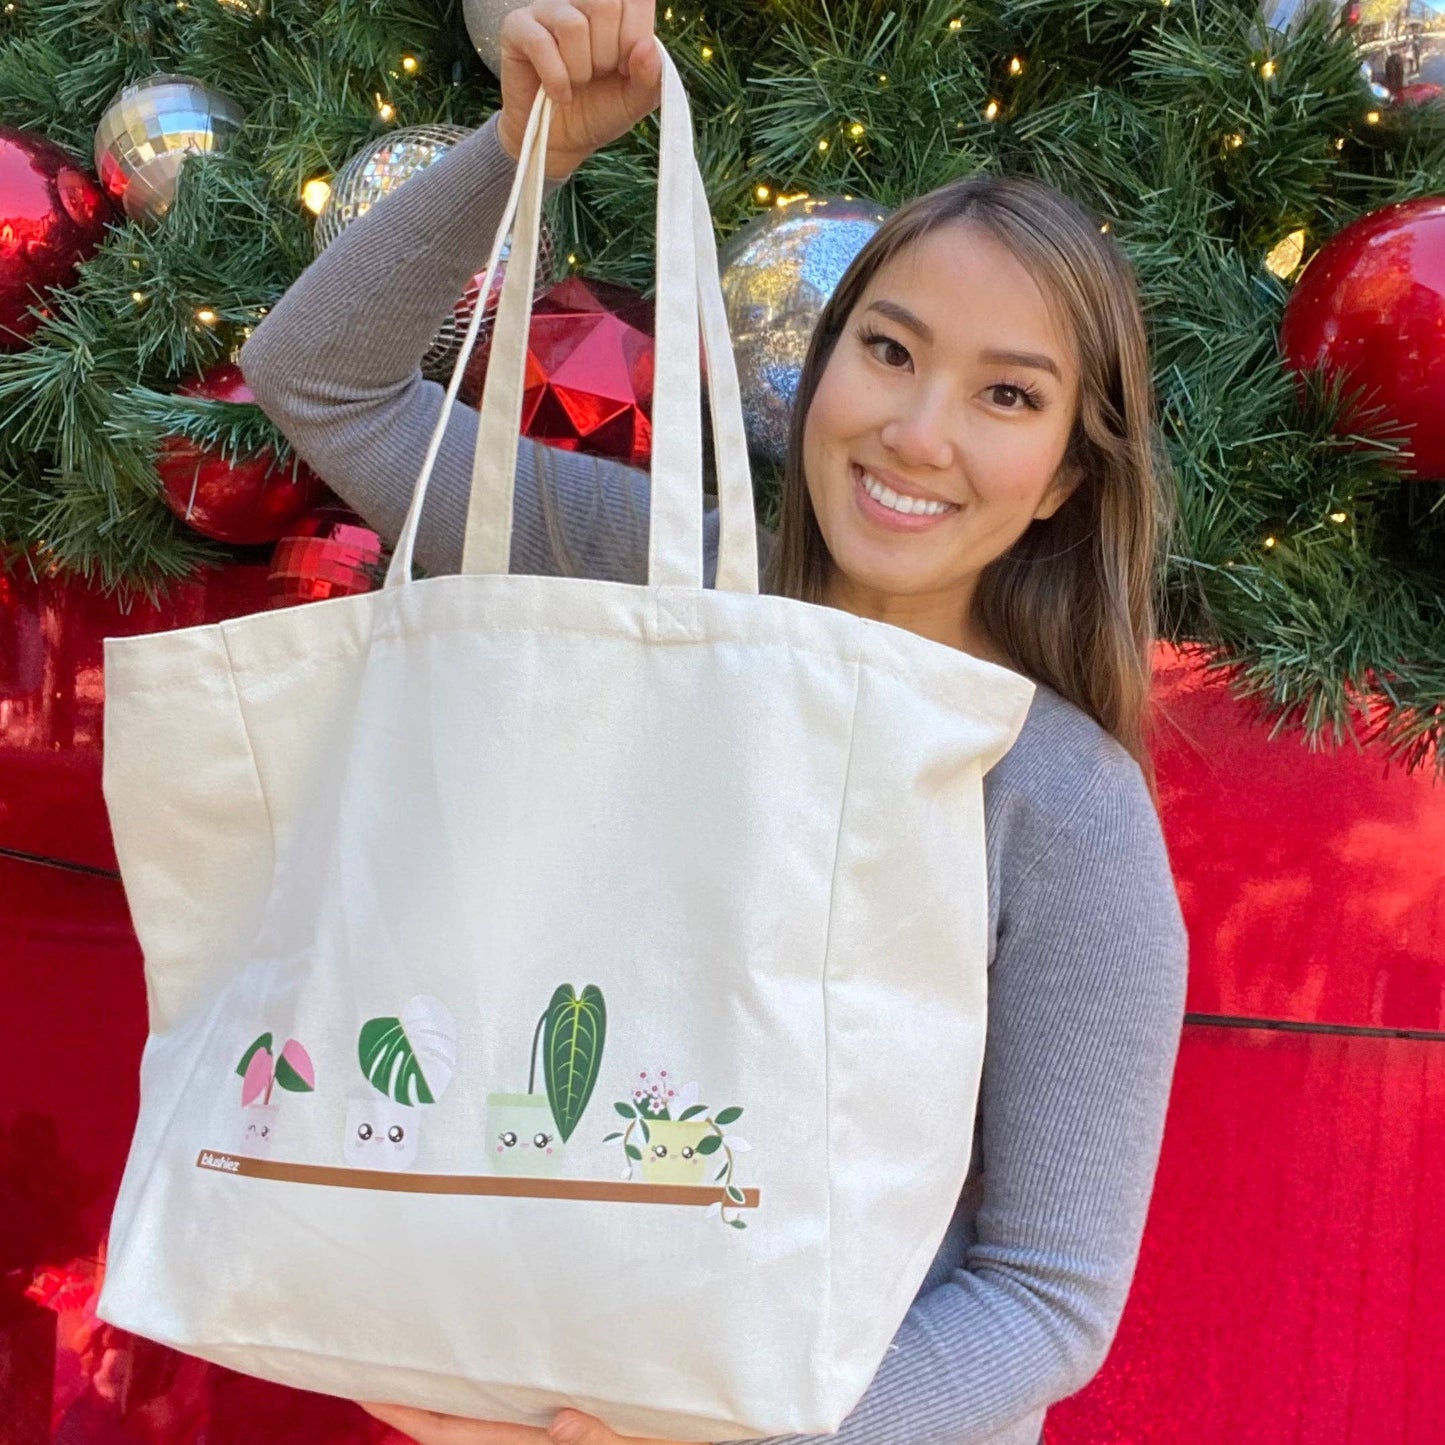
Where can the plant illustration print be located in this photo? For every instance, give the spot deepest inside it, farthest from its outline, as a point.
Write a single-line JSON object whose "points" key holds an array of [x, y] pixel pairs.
{"points": [[574, 1030], [676, 1139], [526, 1132], [261, 1071], [408, 1060]]}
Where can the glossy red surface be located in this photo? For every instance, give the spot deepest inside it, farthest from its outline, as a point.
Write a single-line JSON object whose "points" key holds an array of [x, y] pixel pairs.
{"points": [[52, 216], [1288, 1287], [242, 499], [328, 552], [1314, 883], [1371, 304], [588, 385], [52, 695]]}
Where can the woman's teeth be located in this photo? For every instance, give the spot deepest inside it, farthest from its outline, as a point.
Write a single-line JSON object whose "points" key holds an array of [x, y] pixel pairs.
{"points": [[908, 506]]}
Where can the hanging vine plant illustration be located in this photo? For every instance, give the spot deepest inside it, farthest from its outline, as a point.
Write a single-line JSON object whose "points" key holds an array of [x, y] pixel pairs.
{"points": [[408, 1060], [261, 1071], [526, 1132], [679, 1137]]}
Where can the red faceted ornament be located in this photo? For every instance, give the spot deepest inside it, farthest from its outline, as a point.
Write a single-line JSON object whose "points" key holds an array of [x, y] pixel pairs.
{"points": [[1371, 307], [588, 385], [242, 500], [52, 216], [329, 552]]}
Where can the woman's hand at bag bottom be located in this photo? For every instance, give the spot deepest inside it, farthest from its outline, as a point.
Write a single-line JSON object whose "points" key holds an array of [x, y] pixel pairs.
{"points": [[571, 1427], [599, 64]]}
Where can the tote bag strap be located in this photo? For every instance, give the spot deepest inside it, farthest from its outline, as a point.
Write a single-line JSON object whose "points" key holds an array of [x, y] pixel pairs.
{"points": [[688, 291]]}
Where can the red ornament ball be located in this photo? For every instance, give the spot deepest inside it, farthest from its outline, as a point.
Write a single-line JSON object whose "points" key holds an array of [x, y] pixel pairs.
{"points": [[588, 383], [329, 552], [1370, 307], [52, 216], [242, 500]]}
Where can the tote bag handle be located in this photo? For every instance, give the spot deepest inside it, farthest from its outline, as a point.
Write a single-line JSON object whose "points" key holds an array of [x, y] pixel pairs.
{"points": [[688, 291]]}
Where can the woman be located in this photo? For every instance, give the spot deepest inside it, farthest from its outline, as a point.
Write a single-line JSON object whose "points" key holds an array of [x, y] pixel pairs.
{"points": [[970, 460]]}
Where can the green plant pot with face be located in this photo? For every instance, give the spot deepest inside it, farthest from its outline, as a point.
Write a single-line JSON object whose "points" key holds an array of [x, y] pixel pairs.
{"points": [[670, 1156], [522, 1137]]}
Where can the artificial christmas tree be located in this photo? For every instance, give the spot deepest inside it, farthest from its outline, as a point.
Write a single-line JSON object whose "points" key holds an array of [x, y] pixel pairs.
{"points": [[1222, 142]]}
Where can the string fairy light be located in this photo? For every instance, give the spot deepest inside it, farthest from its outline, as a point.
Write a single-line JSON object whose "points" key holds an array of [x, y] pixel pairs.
{"points": [[1285, 255], [990, 111], [1016, 66], [315, 194]]}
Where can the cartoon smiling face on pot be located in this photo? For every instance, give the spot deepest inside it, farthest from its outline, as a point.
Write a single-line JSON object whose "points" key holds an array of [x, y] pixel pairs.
{"points": [[380, 1133]]}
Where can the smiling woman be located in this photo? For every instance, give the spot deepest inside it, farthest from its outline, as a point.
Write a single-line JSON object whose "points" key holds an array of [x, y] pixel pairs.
{"points": [[972, 450], [971, 459]]}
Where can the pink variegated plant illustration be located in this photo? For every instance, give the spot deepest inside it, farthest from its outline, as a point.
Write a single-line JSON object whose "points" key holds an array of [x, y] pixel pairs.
{"points": [[261, 1070]]}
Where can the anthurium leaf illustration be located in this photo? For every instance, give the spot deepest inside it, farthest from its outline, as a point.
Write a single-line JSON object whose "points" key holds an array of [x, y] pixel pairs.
{"points": [[710, 1145], [572, 1042], [294, 1069], [264, 1042], [729, 1116], [693, 1112]]}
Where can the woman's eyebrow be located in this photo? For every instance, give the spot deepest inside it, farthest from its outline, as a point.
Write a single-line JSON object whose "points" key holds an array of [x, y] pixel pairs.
{"points": [[1034, 360], [904, 317]]}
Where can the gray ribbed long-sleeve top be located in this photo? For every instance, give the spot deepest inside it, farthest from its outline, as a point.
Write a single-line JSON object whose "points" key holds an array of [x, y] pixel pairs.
{"points": [[1087, 947]]}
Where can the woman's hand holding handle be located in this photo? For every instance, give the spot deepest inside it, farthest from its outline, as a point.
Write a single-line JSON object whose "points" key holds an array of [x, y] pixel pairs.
{"points": [[597, 60]]}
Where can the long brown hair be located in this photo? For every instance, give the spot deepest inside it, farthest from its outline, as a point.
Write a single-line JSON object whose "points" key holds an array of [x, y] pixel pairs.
{"points": [[1071, 603]]}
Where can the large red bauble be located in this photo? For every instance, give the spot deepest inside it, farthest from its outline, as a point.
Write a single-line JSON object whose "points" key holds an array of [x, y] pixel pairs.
{"points": [[588, 385], [1371, 307], [243, 500], [52, 216]]}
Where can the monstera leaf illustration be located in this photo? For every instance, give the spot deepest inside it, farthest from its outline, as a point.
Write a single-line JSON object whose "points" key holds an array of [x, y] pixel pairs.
{"points": [[575, 1031], [411, 1058]]}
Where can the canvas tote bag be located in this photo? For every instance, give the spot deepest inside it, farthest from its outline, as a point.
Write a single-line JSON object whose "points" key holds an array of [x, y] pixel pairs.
{"points": [[562, 992]]}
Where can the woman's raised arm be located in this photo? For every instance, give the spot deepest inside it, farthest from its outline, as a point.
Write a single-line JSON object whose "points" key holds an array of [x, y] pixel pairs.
{"points": [[336, 365]]}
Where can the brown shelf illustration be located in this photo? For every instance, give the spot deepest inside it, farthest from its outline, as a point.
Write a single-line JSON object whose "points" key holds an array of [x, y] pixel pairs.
{"points": [[597, 1190]]}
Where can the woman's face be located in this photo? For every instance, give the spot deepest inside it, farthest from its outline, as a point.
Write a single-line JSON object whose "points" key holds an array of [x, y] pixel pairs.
{"points": [[953, 387]]}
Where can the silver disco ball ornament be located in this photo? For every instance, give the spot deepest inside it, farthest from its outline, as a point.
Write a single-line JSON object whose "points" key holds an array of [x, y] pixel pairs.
{"points": [[484, 26], [146, 134], [778, 272], [1401, 43], [378, 169]]}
